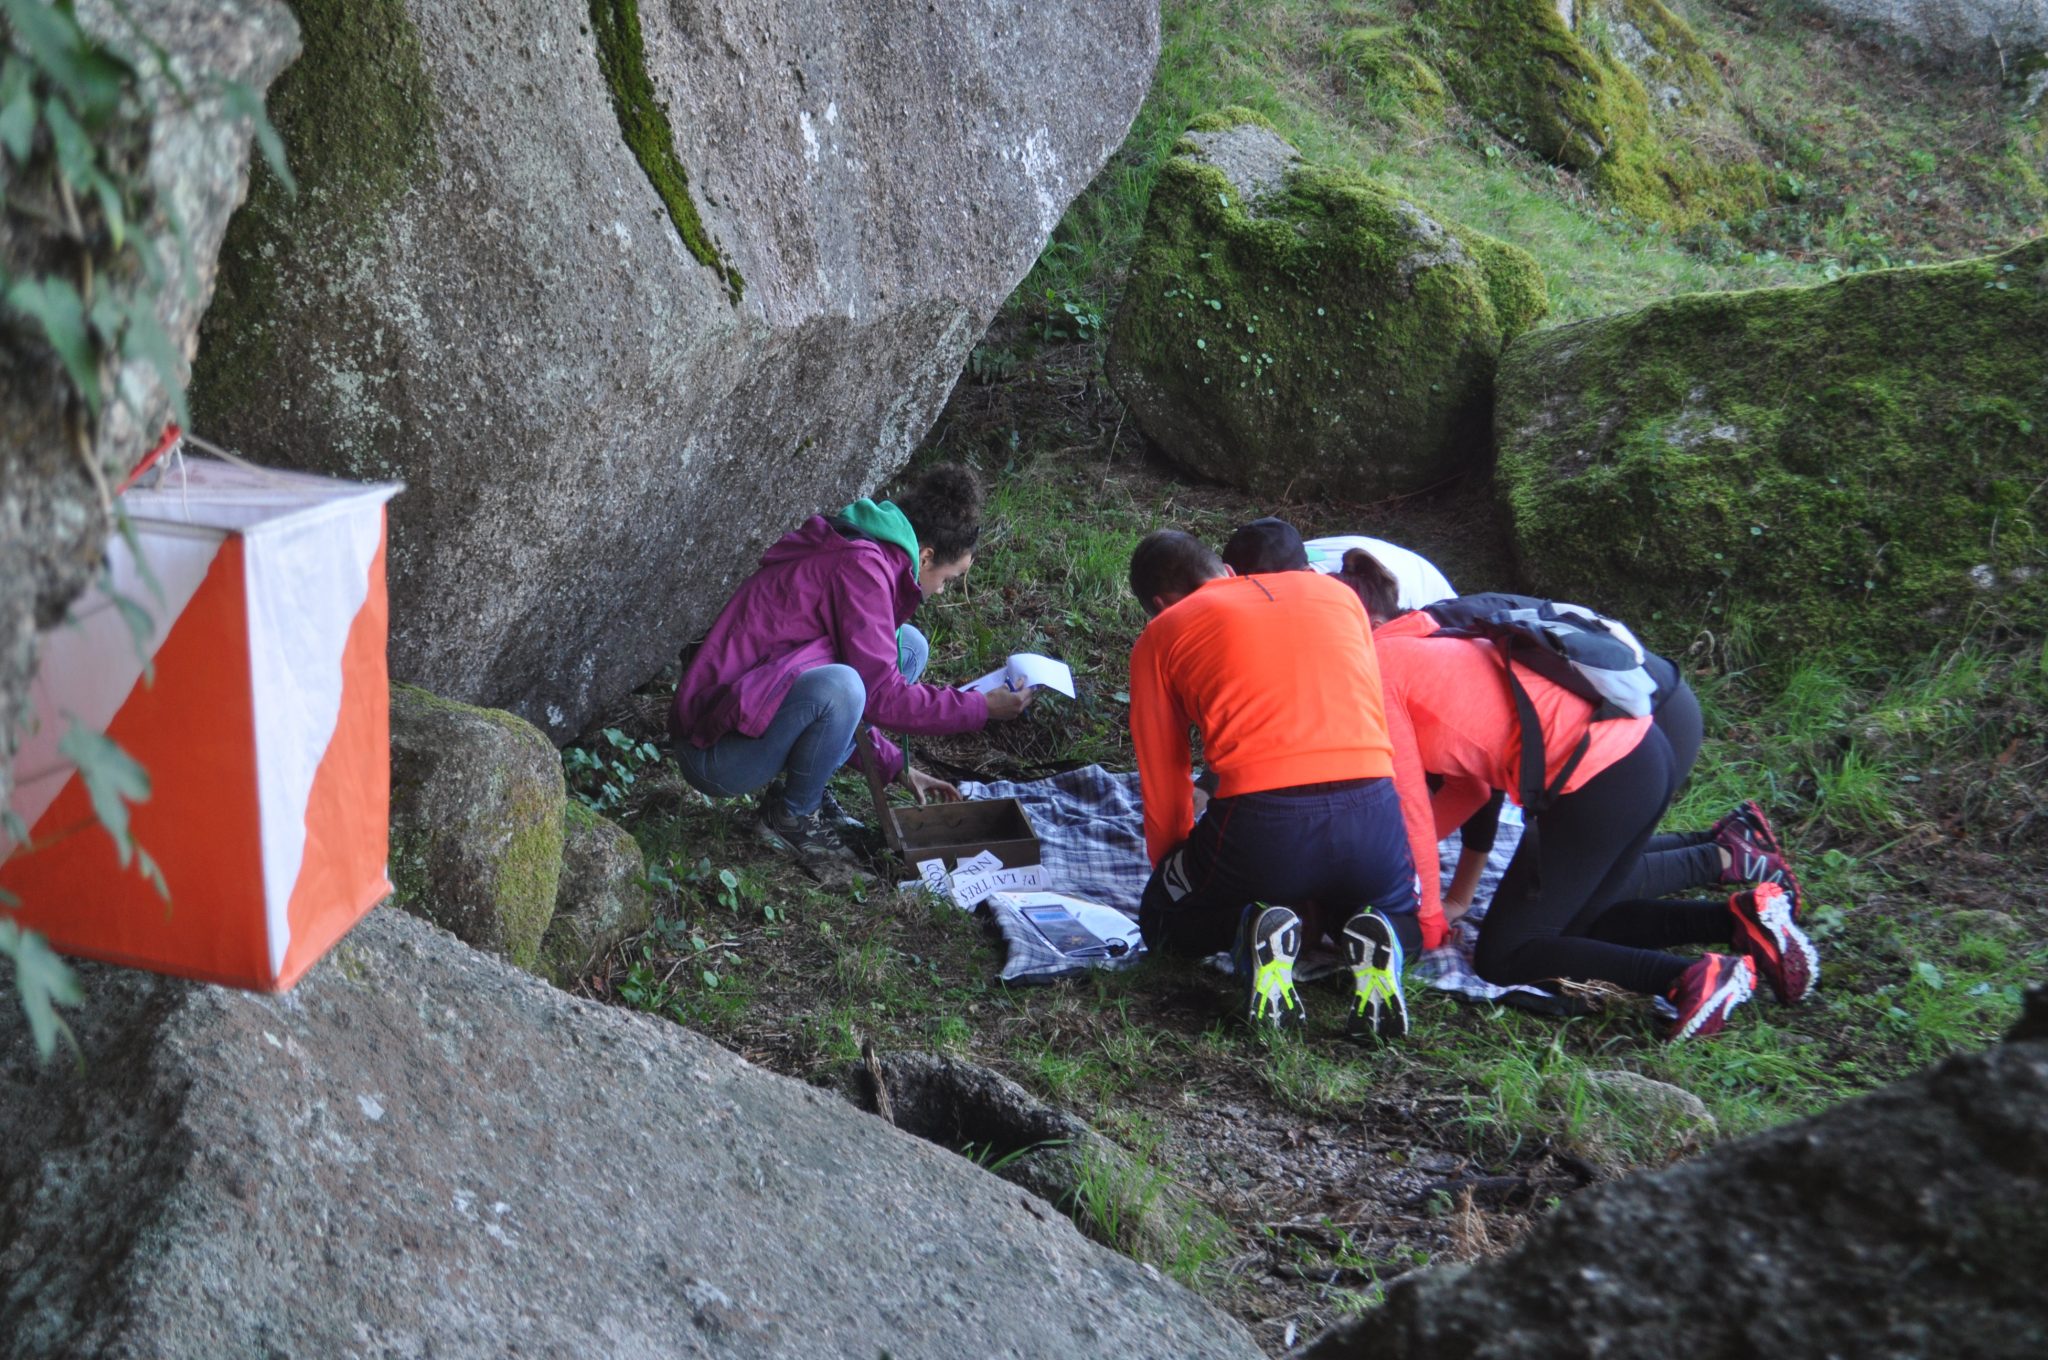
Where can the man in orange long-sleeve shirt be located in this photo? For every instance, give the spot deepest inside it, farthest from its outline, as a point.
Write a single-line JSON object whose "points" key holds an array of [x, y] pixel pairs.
{"points": [[1278, 675]]}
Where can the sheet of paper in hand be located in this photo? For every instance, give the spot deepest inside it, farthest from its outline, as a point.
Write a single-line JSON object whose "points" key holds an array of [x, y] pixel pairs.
{"points": [[1026, 670]]}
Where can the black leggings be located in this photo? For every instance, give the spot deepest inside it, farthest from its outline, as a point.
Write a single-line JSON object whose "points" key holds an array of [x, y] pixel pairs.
{"points": [[1688, 859], [1565, 907]]}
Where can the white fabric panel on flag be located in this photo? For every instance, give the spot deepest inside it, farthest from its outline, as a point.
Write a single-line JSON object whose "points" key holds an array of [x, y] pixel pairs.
{"points": [[91, 662], [307, 583], [217, 495]]}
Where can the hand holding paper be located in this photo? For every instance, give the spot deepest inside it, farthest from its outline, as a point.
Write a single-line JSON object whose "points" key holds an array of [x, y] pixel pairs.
{"points": [[1026, 670]]}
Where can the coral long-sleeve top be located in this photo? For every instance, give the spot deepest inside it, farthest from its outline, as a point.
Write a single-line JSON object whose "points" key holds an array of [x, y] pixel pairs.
{"points": [[1449, 713], [1277, 672]]}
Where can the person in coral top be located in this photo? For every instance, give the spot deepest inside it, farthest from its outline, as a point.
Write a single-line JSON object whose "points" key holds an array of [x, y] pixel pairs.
{"points": [[1303, 835], [1564, 908]]}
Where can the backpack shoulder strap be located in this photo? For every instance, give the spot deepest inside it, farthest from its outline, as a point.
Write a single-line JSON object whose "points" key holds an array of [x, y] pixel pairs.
{"points": [[1536, 794]]}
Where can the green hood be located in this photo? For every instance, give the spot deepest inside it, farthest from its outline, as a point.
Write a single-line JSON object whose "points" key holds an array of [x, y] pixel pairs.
{"points": [[883, 522]]}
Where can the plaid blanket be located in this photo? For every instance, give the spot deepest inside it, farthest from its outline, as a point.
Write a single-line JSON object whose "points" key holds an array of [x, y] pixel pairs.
{"points": [[1091, 833]]}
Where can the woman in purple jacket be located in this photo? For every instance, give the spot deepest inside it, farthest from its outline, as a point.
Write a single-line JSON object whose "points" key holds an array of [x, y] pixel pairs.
{"points": [[816, 639]]}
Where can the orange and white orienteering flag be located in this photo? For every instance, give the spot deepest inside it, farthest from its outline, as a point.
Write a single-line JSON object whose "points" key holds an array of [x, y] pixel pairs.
{"points": [[258, 703]]}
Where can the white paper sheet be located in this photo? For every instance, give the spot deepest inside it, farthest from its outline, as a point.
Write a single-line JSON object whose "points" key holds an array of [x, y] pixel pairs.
{"points": [[1027, 670]]}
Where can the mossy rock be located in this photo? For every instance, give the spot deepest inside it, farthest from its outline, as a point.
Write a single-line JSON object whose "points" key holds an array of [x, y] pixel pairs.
{"points": [[1856, 463], [1622, 92], [600, 900], [1291, 325], [357, 115], [1379, 63], [477, 802]]}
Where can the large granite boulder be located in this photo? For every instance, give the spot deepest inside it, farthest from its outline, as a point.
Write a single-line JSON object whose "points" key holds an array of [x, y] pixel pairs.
{"points": [[1290, 325], [421, 1151], [1995, 33], [477, 822], [1855, 461], [1909, 1223], [1619, 90], [624, 290], [193, 154]]}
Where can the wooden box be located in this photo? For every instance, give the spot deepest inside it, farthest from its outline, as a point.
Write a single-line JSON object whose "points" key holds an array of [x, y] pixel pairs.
{"points": [[949, 832]]}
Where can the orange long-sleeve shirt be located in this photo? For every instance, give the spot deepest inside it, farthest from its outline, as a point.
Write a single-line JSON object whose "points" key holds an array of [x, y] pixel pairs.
{"points": [[1450, 713], [1277, 672]]}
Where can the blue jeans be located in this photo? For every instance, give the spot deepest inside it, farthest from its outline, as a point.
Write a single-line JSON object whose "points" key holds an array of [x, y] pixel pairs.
{"points": [[810, 736]]}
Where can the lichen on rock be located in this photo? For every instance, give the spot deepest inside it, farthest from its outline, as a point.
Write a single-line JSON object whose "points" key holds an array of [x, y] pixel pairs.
{"points": [[1855, 462], [1289, 324], [1622, 92]]}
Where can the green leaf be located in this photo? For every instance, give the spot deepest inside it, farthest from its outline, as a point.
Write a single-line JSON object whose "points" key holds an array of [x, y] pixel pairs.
{"points": [[112, 779], [75, 155], [54, 303], [110, 207], [141, 628], [144, 338], [244, 102], [1929, 974], [92, 77], [18, 123], [42, 982]]}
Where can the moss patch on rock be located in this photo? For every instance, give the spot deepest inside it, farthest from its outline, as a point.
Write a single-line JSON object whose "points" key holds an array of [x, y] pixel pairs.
{"points": [[1625, 95], [1290, 325], [477, 804], [622, 54], [1856, 463], [1379, 63], [356, 112]]}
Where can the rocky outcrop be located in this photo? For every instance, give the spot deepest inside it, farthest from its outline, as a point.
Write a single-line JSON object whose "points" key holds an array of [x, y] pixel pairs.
{"points": [[1855, 461], [600, 899], [192, 154], [1619, 90], [1992, 33], [420, 1151], [477, 808], [1912, 1222], [623, 290], [1287, 325]]}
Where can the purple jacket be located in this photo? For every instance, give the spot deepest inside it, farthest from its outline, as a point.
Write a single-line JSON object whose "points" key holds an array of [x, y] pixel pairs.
{"points": [[819, 597]]}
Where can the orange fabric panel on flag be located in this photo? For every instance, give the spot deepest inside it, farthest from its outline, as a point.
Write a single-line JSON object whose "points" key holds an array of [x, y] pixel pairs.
{"points": [[348, 815], [193, 730]]}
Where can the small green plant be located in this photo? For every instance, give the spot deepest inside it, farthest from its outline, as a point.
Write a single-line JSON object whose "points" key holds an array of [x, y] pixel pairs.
{"points": [[603, 774]]}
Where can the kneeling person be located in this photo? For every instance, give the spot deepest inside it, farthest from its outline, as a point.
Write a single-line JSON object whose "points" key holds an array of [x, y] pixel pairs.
{"points": [[1277, 673]]}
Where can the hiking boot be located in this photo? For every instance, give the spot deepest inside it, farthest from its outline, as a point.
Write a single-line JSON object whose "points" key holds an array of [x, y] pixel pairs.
{"points": [[1755, 854], [1268, 942], [1706, 992], [1765, 931], [837, 816], [1372, 951], [809, 839]]}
